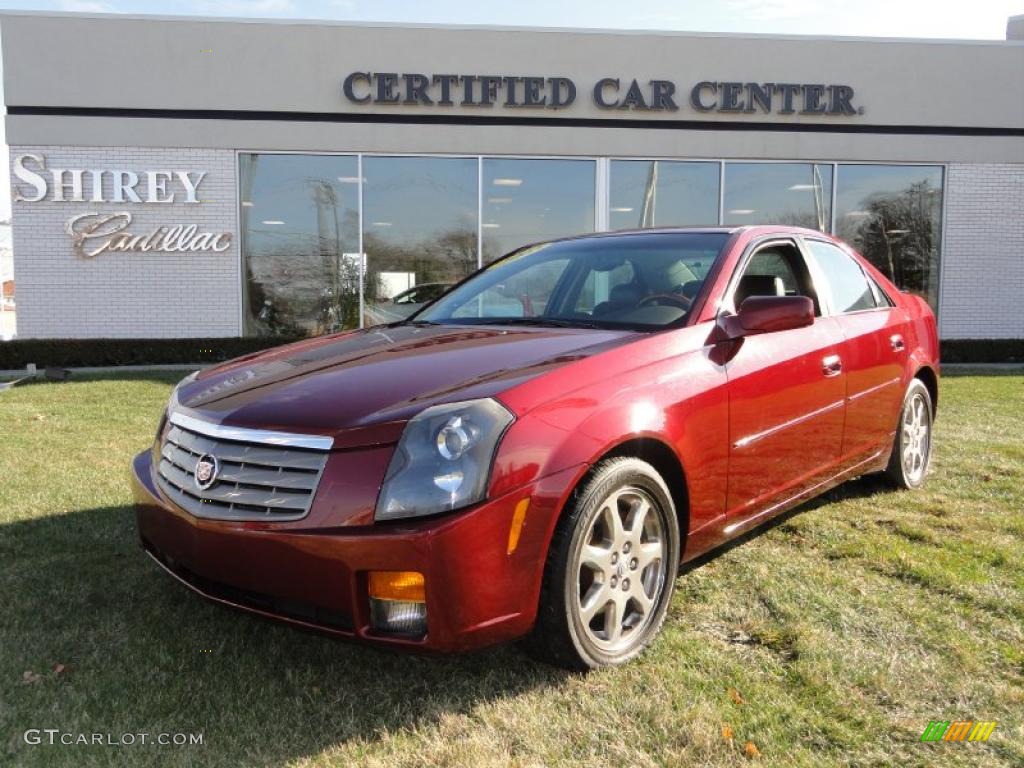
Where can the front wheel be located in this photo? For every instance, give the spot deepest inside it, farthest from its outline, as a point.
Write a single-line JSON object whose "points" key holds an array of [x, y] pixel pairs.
{"points": [[912, 445], [611, 569]]}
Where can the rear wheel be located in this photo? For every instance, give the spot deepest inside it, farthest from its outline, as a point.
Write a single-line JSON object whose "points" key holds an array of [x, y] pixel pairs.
{"points": [[912, 445], [611, 569]]}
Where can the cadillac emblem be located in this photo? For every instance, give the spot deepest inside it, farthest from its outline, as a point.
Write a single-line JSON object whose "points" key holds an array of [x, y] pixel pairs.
{"points": [[207, 469]]}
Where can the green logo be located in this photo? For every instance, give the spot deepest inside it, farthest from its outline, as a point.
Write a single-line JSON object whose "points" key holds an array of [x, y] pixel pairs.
{"points": [[958, 730]]}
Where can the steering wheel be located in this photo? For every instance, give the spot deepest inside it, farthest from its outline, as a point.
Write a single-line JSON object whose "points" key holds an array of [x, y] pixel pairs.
{"points": [[669, 298]]}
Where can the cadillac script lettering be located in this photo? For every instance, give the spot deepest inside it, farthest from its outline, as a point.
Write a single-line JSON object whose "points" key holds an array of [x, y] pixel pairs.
{"points": [[96, 233], [100, 232]]}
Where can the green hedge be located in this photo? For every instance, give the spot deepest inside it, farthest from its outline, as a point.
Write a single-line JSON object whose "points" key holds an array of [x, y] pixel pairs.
{"points": [[982, 351], [78, 353]]}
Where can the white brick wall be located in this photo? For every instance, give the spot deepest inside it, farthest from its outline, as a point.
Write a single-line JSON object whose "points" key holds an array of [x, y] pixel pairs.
{"points": [[982, 286], [118, 295]]}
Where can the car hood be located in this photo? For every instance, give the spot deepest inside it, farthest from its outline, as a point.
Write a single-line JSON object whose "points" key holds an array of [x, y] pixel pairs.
{"points": [[370, 382]]}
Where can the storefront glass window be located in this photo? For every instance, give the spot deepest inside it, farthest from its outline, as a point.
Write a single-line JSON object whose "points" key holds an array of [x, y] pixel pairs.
{"points": [[300, 239], [8, 324], [797, 194], [662, 193], [419, 229], [892, 214], [426, 219], [525, 201]]}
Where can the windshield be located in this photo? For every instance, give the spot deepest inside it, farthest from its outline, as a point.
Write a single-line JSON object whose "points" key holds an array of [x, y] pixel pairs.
{"points": [[644, 281]]}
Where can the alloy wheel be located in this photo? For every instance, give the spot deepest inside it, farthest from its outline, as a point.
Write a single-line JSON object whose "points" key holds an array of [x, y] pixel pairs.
{"points": [[620, 569], [916, 441]]}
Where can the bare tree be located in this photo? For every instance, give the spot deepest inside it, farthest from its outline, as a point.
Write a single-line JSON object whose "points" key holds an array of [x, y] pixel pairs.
{"points": [[899, 235]]}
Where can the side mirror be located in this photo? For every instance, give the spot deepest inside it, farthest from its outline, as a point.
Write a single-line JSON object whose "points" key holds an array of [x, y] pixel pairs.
{"points": [[768, 314]]}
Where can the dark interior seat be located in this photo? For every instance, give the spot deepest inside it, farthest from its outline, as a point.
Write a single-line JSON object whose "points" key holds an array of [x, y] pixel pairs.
{"points": [[758, 285], [689, 289], [620, 297]]}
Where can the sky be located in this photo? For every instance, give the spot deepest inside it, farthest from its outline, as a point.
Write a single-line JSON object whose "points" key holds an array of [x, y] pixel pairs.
{"points": [[985, 19], [977, 19]]}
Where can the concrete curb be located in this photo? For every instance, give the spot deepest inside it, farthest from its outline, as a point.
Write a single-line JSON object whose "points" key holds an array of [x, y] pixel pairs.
{"points": [[20, 372], [982, 366]]}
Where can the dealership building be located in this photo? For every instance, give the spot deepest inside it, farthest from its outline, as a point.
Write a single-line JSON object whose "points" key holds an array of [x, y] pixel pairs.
{"points": [[202, 178]]}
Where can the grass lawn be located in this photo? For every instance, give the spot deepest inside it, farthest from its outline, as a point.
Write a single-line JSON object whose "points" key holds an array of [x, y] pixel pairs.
{"points": [[831, 638]]}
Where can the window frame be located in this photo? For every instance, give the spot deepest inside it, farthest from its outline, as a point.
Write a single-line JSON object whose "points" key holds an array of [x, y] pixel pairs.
{"points": [[728, 303]]}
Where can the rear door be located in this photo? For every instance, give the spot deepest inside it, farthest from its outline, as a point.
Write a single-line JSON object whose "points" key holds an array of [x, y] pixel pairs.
{"points": [[786, 389], [873, 352]]}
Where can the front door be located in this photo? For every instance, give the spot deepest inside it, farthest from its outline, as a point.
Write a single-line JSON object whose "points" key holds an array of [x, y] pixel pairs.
{"points": [[786, 392]]}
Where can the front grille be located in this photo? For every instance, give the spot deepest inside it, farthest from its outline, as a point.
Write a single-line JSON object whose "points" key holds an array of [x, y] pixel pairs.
{"points": [[261, 476]]}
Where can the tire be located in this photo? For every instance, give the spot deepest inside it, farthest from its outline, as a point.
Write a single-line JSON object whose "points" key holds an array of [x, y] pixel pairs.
{"points": [[912, 446], [601, 604]]}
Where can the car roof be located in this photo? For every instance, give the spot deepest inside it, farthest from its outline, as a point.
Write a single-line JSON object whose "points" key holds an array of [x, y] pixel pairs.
{"points": [[658, 231], [753, 229], [723, 230]]}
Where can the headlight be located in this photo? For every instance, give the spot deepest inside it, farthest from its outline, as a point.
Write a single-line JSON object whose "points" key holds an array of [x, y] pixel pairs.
{"points": [[443, 460]]}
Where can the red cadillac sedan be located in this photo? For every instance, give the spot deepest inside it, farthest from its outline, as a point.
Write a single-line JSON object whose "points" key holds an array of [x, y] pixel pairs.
{"points": [[535, 453]]}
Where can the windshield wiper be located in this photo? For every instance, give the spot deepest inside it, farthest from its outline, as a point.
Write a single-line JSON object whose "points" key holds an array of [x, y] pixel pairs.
{"points": [[545, 322]]}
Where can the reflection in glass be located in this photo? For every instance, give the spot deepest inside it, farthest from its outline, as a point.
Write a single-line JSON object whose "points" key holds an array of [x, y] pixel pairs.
{"points": [[299, 219], [525, 201], [892, 214], [300, 239], [796, 194], [419, 228], [523, 294], [635, 280], [662, 193], [8, 323], [846, 283]]}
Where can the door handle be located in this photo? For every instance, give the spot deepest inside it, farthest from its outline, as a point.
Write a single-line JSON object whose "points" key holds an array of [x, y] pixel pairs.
{"points": [[896, 342], [832, 365]]}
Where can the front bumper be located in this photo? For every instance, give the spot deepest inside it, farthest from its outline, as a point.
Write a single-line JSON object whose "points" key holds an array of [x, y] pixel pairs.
{"points": [[477, 593]]}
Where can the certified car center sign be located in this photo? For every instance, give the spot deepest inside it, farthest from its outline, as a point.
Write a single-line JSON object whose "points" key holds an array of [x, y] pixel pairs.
{"points": [[610, 93], [96, 232]]}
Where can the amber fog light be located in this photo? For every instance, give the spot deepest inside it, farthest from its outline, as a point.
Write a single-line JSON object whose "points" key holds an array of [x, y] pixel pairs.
{"points": [[398, 603]]}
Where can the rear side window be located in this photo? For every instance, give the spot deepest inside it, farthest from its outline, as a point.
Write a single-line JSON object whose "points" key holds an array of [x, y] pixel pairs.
{"points": [[848, 287]]}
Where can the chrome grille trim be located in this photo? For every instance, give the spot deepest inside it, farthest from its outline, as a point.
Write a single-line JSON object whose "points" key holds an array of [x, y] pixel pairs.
{"points": [[288, 439], [264, 476]]}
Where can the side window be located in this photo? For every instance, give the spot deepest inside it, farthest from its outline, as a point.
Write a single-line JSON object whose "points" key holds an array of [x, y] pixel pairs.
{"points": [[848, 286], [777, 270]]}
